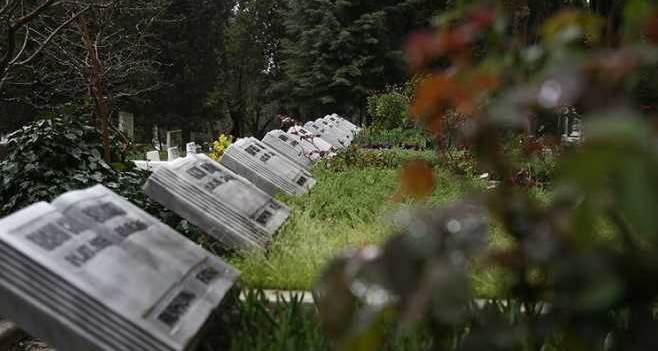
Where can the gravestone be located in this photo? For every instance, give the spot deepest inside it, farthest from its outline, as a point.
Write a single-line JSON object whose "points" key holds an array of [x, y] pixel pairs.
{"points": [[340, 124], [190, 149], [314, 147], [223, 204], [174, 138], [289, 146], [172, 153], [153, 156], [266, 168], [91, 271], [336, 140], [127, 123], [353, 127], [336, 129]]}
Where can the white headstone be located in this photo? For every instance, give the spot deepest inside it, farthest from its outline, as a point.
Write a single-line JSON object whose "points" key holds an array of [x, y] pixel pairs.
{"points": [[172, 153], [338, 131], [153, 156], [315, 147], [127, 123], [336, 140], [190, 148], [266, 168], [93, 272], [289, 146], [223, 204]]}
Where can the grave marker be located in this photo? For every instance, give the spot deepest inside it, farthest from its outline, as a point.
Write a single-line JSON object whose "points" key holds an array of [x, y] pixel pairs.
{"points": [[93, 272], [289, 146], [266, 168], [338, 131], [223, 204], [335, 139], [172, 154], [315, 147], [190, 149], [127, 123], [153, 156]]}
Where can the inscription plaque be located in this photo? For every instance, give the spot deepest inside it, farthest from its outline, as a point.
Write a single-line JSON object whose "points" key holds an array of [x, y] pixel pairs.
{"points": [[223, 204], [266, 168], [93, 272], [289, 146]]}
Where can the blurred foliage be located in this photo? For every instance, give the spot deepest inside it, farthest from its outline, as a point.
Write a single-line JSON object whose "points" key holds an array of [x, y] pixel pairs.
{"points": [[583, 265], [219, 146], [403, 138], [358, 158], [389, 110]]}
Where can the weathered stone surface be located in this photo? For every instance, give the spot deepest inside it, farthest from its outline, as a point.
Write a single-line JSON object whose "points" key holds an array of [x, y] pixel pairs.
{"points": [[289, 146], [266, 168], [172, 153], [223, 204], [93, 272], [336, 140], [314, 146]]}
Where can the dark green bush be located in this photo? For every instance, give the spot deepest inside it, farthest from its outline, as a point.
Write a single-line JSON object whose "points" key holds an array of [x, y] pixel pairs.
{"points": [[389, 110], [50, 157]]}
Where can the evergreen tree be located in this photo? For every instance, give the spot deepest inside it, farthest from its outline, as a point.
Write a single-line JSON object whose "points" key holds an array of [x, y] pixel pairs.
{"points": [[336, 51]]}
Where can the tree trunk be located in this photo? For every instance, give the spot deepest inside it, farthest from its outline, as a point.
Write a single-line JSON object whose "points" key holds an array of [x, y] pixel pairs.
{"points": [[97, 84]]}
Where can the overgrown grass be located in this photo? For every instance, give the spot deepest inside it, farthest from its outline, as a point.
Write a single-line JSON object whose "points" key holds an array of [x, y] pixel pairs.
{"points": [[346, 209]]}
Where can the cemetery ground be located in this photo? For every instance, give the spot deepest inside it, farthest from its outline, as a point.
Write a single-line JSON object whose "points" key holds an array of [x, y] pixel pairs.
{"points": [[354, 204]]}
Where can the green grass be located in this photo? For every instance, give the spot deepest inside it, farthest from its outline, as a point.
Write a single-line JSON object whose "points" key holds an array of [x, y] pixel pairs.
{"points": [[346, 209]]}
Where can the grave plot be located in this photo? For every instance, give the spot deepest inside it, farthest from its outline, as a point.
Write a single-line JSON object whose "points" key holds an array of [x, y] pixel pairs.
{"points": [[336, 140], [93, 272], [314, 146], [342, 121], [289, 146], [333, 127], [344, 127], [266, 168], [223, 204]]}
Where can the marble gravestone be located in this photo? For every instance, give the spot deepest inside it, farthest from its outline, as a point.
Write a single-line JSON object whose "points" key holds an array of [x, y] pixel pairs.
{"points": [[223, 204], [338, 131], [172, 154], [315, 147], [342, 121], [289, 146], [190, 149], [153, 156], [92, 272], [266, 168], [336, 140], [340, 124]]}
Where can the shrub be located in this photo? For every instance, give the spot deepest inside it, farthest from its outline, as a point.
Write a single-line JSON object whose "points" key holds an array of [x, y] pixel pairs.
{"points": [[50, 157], [389, 110], [219, 146], [580, 270]]}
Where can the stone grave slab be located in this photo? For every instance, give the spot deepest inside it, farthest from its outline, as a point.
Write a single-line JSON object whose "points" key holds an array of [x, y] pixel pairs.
{"points": [[336, 140], [314, 146], [225, 205], [92, 272], [190, 148], [342, 125], [153, 156], [289, 146], [172, 153], [266, 168], [343, 121], [336, 129]]}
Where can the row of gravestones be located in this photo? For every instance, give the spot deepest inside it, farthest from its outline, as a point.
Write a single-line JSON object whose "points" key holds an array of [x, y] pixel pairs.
{"points": [[91, 271]]}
